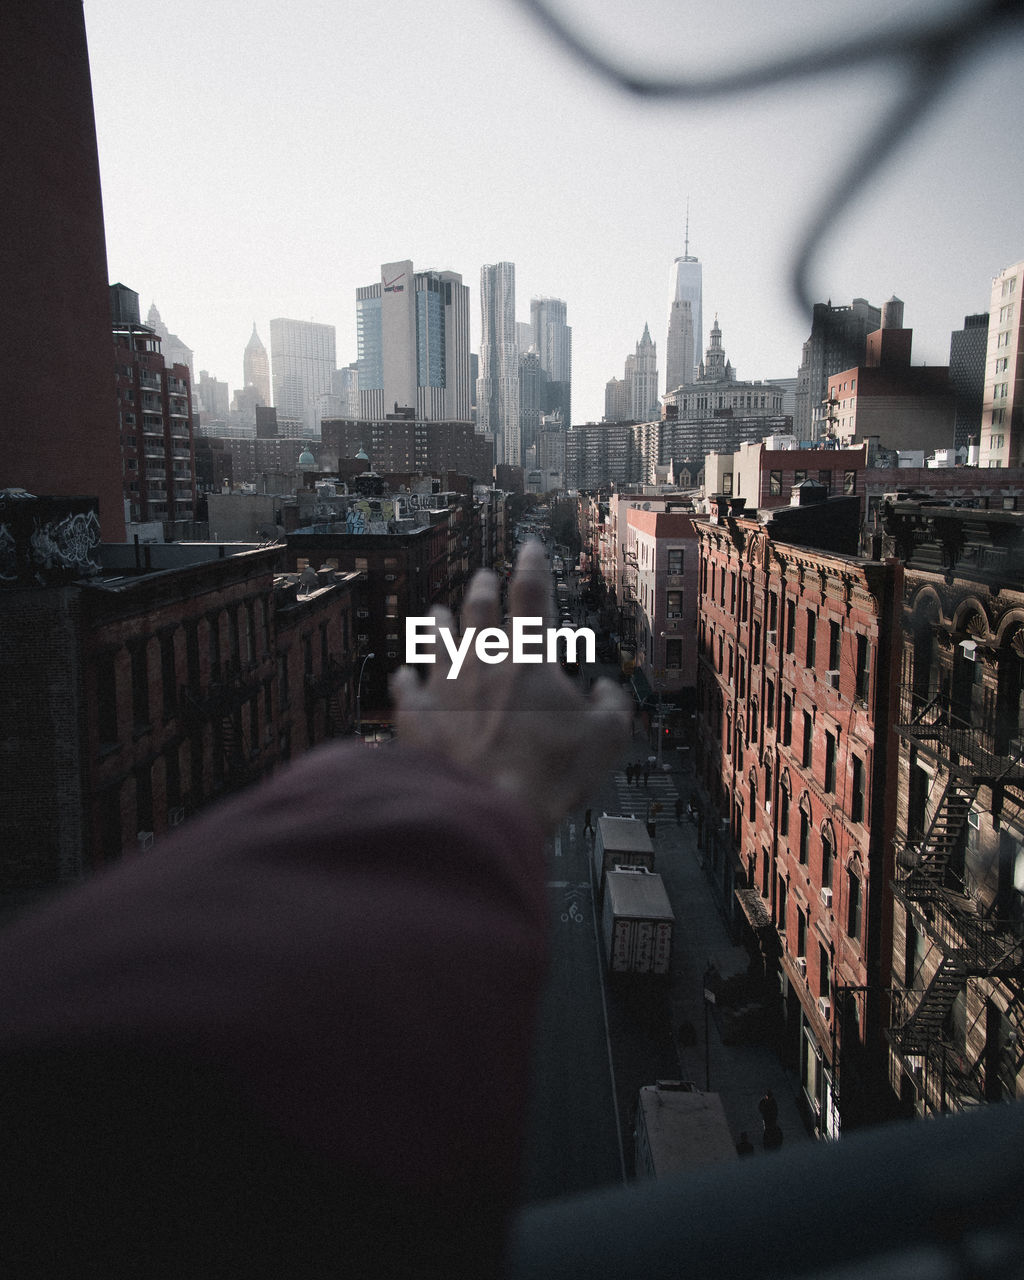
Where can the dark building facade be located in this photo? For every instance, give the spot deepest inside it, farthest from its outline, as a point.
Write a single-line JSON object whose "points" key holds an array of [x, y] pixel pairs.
{"points": [[62, 434], [957, 1036], [148, 684], [968, 348], [408, 444]]}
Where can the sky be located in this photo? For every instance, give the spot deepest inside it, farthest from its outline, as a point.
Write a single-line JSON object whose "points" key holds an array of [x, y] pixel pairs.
{"points": [[261, 160]]}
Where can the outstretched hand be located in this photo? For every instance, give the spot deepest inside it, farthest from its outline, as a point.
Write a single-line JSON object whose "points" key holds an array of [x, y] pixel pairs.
{"points": [[526, 728]]}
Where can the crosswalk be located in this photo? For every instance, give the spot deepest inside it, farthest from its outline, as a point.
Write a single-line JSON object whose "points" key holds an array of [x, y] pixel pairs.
{"points": [[636, 800]]}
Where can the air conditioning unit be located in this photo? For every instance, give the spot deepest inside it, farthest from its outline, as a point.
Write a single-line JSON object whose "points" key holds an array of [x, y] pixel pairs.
{"points": [[826, 898], [390, 577], [833, 678], [145, 839], [175, 817], [773, 637], [362, 636], [824, 1007], [800, 964], [362, 613]]}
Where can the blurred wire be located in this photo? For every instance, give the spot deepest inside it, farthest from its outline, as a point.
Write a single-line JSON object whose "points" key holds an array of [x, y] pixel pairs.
{"points": [[931, 53]]}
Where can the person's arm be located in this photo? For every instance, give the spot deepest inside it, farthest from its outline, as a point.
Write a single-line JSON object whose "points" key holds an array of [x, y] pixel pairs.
{"points": [[302, 1027]]}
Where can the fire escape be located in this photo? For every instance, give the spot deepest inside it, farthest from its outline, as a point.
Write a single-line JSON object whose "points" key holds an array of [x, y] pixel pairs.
{"points": [[971, 942]]}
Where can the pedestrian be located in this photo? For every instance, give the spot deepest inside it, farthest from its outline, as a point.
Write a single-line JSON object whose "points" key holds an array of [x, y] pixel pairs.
{"points": [[744, 1147], [769, 1109], [587, 826], [679, 811], [647, 773]]}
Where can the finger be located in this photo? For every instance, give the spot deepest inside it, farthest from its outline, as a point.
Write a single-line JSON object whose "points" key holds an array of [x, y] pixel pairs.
{"points": [[482, 604], [529, 593]]}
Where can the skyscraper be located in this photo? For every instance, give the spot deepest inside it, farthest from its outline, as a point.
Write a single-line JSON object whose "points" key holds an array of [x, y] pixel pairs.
{"points": [[413, 340], [497, 391], [303, 362], [256, 367], [838, 340], [1002, 414], [967, 350], [642, 380], [553, 339], [685, 319]]}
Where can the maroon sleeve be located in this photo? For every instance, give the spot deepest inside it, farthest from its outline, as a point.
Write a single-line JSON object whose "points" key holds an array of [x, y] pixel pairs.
{"points": [[356, 945]]}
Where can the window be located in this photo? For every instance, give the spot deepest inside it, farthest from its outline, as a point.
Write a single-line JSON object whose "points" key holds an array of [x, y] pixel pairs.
{"points": [[675, 561], [825, 478], [106, 699], [791, 626], [808, 740], [828, 857], [781, 904], [805, 835], [824, 972], [849, 482], [835, 633], [673, 604], [863, 667], [801, 933], [140, 687], [853, 904], [830, 761], [775, 484], [811, 638], [784, 807], [673, 653], [167, 674], [799, 477], [727, 482], [857, 790], [767, 780], [769, 704], [787, 719]]}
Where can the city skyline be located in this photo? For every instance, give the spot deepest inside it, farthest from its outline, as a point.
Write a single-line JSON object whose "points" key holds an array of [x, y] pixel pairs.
{"points": [[295, 219]]}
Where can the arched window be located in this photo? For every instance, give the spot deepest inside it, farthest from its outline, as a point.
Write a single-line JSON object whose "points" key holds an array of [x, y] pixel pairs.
{"points": [[784, 795], [805, 829], [828, 854]]}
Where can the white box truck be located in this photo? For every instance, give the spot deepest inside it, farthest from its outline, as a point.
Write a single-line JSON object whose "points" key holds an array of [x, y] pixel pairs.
{"points": [[620, 842], [637, 922], [678, 1127]]}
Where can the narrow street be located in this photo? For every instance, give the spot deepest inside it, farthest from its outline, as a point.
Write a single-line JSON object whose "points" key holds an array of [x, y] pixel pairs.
{"points": [[600, 1040]]}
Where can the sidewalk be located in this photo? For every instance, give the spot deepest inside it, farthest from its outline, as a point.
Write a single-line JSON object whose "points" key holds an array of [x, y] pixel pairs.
{"points": [[740, 1073]]}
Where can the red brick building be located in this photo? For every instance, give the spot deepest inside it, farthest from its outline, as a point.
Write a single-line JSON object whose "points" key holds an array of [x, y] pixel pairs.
{"points": [[795, 693], [141, 694]]}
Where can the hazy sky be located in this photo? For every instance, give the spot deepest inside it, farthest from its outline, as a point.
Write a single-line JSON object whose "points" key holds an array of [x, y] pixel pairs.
{"points": [[261, 159]]}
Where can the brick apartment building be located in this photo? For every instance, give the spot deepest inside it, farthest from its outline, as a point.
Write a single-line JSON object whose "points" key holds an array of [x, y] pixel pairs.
{"points": [[797, 653], [146, 682], [661, 590], [957, 1035], [154, 407]]}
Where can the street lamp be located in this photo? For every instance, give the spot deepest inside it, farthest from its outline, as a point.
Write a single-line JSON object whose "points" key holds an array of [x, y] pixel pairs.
{"points": [[359, 693]]}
